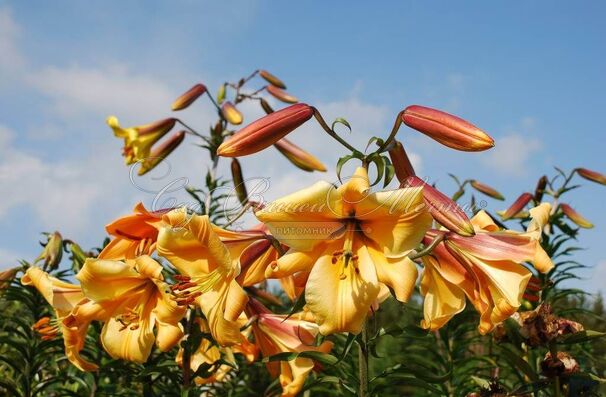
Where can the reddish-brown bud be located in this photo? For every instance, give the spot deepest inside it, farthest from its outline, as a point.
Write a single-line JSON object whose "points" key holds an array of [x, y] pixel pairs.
{"points": [[299, 157], [266, 106], [160, 152], [6, 276], [281, 95], [445, 211], [447, 129], [266, 131], [189, 97], [540, 189], [231, 113], [592, 175], [487, 190], [575, 216], [238, 179], [159, 127], [517, 206], [271, 79], [401, 162]]}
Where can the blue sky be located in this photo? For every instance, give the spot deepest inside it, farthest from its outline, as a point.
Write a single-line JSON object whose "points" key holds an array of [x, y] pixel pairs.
{"points": [[529, 73]]}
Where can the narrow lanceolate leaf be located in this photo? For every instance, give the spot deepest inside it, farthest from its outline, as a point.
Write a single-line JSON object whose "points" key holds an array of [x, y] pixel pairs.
{"points": [[160, 152], [265, 131], [238, 179], [592, 175], [231, 113], [281, 95], [189, 97], [271, 79], [517, 206], [447, 129], [445, 211], [575, 216], [401, 162], [540, 189], [487, 190], [299, 157]]}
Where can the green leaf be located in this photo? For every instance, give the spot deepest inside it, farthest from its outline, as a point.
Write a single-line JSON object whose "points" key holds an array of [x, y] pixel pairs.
{"points": [[341, 162], [340, 120], [580, 337], [324, 358]]}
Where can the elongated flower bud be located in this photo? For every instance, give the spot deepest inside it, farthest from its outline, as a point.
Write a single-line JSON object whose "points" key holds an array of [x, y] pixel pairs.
{"points": [[487, 190], [281, 95], [266, 131], [575, 216], [266, 107], [540, 189], [445, 211], [238, 179], [221, 94], [517, 206], [231, 113], [6, 276], [52, 252], [401, 162], [271, 79], [299, 157], [592, 175], [189, 97], [160, 152], [447, 129]]}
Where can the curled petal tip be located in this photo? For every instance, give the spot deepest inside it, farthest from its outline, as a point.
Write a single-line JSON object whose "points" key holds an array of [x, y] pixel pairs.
{"points": [[447, 129], [189, 97]]}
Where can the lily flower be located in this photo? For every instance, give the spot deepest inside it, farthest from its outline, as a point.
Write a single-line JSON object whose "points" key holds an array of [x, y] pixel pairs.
{"points": [[275, 333], [63, 298], [207, 272], [487, 268], [132, 299], [350, 241], [139, 140]]}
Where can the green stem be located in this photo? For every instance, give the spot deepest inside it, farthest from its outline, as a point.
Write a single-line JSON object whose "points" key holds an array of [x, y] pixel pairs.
{"points": [[427, 250], [554, 356], [191, 317], [363, 362], [330, 132], [392, 135]]}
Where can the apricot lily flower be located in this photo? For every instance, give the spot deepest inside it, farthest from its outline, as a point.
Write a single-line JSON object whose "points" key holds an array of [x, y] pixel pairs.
{"points": [[139, 140], [275, 333], [63, 298], [487, 268], [350, 241], [132, 299], [207, 271]]}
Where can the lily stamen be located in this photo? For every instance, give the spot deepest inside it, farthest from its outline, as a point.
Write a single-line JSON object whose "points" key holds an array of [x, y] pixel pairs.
{"points": [[189, 288]]}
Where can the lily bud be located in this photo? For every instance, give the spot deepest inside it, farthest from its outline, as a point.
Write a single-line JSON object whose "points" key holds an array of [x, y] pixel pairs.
{"points": [[221, 94], [281, 95], [517, 206], [161, 152], [447, 129], [299, 157], [575, 216], [592, 175], [7, 276], [159, 127], [231, 113], [238, 179], [540, 189], [401, 162], [266, 131], [271, 79], [445, 211], [266, 107], [52, 252], [487, 190], [189, 97]]}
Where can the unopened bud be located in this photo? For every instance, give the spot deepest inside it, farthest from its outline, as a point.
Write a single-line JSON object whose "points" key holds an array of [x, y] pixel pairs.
{"points": [[574, 216], [299, 157], [271, 79], [7, 276], [445, 211], [265, 131], [401, 162], [592, 175], [221, 94], [517, 206], [52, 252], [447, 129], [487, 190], [161, 152], [238, 179], [231, 113], [189, 97], [159, 127], [281, 95], [540, 189], [265, 105]]}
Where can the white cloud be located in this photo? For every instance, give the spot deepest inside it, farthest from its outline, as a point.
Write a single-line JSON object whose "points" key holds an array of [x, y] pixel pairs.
{"points": [[11, 58], [9, 258], [512, 154]]}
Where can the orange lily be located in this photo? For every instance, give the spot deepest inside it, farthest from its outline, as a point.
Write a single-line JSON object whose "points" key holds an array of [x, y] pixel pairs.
{"points": [[139, 140]]}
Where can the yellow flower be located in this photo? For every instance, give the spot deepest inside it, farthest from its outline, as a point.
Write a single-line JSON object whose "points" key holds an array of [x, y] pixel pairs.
{"points": [[350, 241], [139, 140], [487, 268], [63, 297], [207, 270], [132, 299], [275, 333]]}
